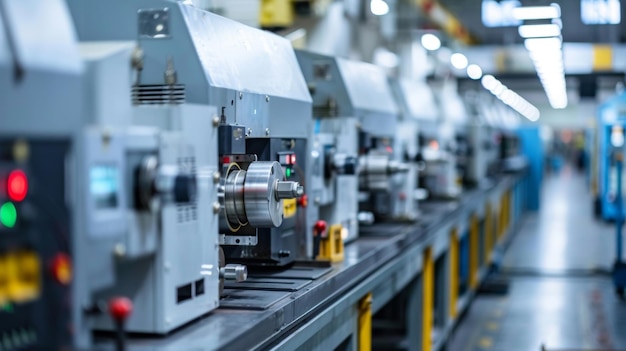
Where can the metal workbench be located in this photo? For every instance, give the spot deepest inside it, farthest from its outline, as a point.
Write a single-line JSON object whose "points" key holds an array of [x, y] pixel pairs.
{"points": [[324, 315]]}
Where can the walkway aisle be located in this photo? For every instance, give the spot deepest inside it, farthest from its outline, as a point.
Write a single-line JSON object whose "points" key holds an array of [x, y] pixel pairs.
{"points": [[560, 293]]}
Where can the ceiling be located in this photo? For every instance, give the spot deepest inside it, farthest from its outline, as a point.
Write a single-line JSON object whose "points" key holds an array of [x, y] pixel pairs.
{"points": [[469, 13], [595, 86]]}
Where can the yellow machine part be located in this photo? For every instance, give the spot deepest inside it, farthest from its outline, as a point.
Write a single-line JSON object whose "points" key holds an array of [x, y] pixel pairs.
{"points": [[428, 298], [365, 323], [5, 276], [276, 13], [331, 247], [474, 251], [290, 207], [24, 276], [490, 225], [454, 273]]}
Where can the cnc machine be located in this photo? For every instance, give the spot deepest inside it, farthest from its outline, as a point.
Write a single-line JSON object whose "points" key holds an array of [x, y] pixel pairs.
{"points": [[262, 114]]}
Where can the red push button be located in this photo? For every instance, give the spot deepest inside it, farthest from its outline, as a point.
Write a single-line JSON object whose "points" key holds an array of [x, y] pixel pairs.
{"points": [[62, 269], [17, 185], [320, 228], [303, 201], [120, 308]]}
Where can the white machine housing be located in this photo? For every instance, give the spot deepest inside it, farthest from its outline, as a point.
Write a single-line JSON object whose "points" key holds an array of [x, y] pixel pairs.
{"points": [[189, 55], [164, 257]]}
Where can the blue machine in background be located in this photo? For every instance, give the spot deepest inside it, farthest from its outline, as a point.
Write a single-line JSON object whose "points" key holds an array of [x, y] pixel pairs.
{"points": [[532, 148], [619, 267], [590, 150], [611, 120]]}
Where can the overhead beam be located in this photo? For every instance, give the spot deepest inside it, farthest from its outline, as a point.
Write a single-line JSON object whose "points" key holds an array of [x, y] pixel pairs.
{"points": [[446, 21]]}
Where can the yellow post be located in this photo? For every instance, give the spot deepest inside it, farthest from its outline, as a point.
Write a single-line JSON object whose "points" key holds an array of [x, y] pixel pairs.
{"points": [[487, 235], [506, 212], [505, 222], [509, 208], [454, 273], [331, 247], [365, 323], [474, 252], [428, 281], [501, 217]]}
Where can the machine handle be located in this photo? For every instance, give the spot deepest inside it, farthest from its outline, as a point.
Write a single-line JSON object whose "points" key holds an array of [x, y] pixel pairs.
{"points": [[120, 309]]}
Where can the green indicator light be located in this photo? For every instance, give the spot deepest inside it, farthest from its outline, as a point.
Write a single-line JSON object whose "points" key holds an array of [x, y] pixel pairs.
{"points": [[288, 172], [8, 307], [8, 214]]}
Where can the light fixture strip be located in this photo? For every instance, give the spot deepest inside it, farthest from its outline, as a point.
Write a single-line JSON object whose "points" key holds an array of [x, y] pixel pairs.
{"points": [[537, 12], [547, 57], [539, 30], [544, 45], [510, 98]]}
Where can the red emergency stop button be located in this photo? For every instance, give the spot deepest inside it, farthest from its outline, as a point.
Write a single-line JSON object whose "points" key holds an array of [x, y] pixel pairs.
{"points": [[120, 308], [17, 185], [320, 228], [303, 201], [62, 269]]}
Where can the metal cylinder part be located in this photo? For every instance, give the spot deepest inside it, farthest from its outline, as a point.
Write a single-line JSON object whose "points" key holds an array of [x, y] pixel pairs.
{"points": [[374, 164], [157, 185], [397, 167], [288, 190], [345, 164], [145, 184], [233, 198], [381, 164], [341, 163], [253, 196], [263, 207], [236, 272]]}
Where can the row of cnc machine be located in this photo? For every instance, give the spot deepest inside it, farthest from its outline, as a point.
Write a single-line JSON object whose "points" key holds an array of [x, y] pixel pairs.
{"points": [[153, 155]]}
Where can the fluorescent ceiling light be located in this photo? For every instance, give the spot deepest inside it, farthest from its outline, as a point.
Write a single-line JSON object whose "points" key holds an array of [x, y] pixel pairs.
{"points": [[458, 60], [539, 30], [553, 61], [498, 89], [510, 98], [542, 44], [379, 7], [489, 82], [600, 12], [430, 42], [474, 71], [498, 13], [536, 12]]}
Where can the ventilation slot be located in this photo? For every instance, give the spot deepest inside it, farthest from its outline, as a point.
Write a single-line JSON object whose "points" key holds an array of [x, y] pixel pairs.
{"points": [[184, 293], [199, 287], [158, 94]]}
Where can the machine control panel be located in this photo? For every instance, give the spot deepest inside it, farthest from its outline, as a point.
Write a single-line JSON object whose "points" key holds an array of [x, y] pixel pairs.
{"points": [[35, 246]]}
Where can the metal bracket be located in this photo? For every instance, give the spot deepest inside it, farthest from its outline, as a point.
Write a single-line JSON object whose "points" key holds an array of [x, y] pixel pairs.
{"points": [[238, 240]]}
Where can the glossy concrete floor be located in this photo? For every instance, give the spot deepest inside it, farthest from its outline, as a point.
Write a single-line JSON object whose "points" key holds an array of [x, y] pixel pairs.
{"points": [[560, 294]]}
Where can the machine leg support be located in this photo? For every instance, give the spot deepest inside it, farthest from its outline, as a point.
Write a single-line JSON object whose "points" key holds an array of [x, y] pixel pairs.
{"points": [[365, 323], [428, 279], [454, 274]]}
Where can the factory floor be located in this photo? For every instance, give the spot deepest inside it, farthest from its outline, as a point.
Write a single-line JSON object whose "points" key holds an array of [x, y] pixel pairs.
{"points": [[560, 292]]}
